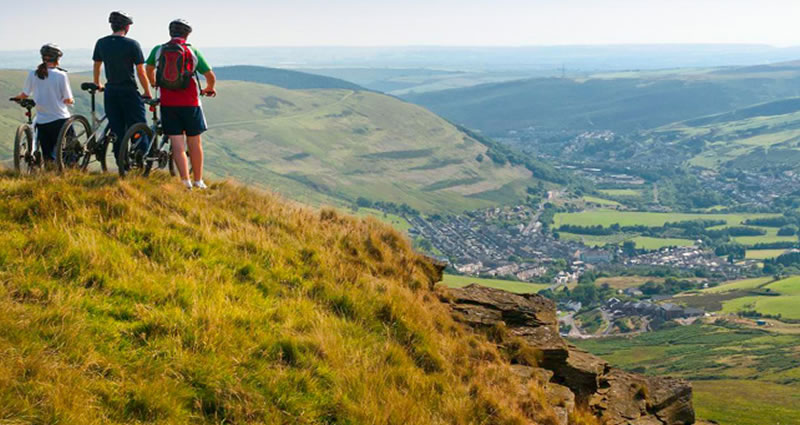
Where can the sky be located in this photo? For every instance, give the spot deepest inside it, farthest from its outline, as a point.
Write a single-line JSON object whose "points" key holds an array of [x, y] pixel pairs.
{"points": [[221, 23]]}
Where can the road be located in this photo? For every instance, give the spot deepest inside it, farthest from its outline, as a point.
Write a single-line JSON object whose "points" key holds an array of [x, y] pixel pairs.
{"points": [[534, 226]]}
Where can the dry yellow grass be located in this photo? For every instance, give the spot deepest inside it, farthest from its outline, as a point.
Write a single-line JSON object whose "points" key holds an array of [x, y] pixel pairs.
{"points": [[138, 302]]}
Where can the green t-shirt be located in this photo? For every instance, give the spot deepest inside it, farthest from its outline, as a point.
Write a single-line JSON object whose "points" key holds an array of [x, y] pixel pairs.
{"points": [[202, 65]]}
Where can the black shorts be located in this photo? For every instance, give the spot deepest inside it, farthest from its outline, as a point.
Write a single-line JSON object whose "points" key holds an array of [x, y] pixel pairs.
{"points": [[178, 120], [47, 136]]}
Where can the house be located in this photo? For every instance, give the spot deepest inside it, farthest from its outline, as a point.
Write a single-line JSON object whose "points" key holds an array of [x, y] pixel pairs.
{"points": [[634, 292]]}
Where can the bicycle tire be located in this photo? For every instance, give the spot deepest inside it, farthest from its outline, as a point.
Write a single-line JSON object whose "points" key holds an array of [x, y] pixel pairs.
{"points": [[102, 151], [123, 155], [23, 141], [81, 128], [148, 164], [173, 170]]}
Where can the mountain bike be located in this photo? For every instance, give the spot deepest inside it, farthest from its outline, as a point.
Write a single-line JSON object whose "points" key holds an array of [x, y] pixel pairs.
{"points": [[26, 151], [80, 143], [160, 153]]}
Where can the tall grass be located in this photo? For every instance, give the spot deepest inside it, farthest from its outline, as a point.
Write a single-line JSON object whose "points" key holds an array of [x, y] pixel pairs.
{"points": [[138, 302]]}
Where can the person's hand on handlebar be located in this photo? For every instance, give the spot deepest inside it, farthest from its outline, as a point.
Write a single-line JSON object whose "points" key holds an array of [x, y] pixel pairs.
{"points": [[208, 92]]}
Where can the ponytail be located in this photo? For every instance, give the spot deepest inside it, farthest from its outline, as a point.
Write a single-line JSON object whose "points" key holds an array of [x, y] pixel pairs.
{"points": [[42, 71]]}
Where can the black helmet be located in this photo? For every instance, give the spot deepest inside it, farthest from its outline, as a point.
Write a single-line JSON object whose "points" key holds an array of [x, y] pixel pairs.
{"points": [[50, 52], [119, 18], [179, 28]]}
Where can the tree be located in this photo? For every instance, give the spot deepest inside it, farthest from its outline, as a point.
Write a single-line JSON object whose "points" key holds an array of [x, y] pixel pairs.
{"points": [[629, 248], [363, 202], [790, 230]]}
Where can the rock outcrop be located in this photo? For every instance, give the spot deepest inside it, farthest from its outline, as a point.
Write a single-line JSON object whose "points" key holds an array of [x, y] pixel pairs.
{"points": [[568, 374]]}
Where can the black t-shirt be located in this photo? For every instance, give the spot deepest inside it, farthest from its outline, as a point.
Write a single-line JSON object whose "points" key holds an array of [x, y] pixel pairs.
{"points": [[119, 56]]}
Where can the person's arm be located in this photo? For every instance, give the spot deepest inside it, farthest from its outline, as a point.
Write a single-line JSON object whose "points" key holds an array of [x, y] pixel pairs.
{"points": [[143, 80], [211, 84], [151, 74], [98, 65], [150, 66], [66, 92], [205, 69]]}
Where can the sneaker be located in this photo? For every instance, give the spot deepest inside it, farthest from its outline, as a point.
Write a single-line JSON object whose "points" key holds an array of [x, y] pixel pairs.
{"points": [[200, 185], [187, 184]]}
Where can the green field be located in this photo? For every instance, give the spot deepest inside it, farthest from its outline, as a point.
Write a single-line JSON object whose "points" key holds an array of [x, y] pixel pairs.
{"points": [[763, 254], [454, 281], [642, 242], [395, 221], [787, 304], [621, 193], [738, 285], [753, 240], [601, 201], [606, 218], [740, 376]]}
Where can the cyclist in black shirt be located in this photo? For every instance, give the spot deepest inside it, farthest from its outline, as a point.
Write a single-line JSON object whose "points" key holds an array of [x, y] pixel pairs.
{"points": [[120, 56]]}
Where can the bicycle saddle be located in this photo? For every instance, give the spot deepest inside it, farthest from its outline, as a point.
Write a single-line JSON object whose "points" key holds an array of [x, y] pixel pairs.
{"points": [[25, 103]]}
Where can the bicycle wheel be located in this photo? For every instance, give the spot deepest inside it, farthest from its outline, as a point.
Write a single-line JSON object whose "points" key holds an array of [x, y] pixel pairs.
{"points": [[101, 149], [73, 139], [125, 164], [156, 157], [97, 149], [23, 149]]}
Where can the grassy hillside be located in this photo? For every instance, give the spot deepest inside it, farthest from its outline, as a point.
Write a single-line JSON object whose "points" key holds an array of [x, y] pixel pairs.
{"points": [[138, 302], [333, 146], [749, 139], [283, 78], [341, 144]]}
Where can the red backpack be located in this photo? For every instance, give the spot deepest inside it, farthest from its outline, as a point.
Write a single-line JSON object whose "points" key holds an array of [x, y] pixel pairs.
{"points": [[176, 66]]}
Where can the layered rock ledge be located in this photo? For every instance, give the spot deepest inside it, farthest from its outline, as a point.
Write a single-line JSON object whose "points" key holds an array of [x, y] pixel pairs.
{"points": [[568, 374]]}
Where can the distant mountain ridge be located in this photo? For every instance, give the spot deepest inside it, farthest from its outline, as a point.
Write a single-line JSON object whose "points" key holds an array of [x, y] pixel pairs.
{"points": [[284, 78]]}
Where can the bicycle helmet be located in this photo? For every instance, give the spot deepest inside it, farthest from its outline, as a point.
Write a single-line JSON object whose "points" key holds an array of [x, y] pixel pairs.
{"points": [[179, 28], [120, 19], [50, 52]]}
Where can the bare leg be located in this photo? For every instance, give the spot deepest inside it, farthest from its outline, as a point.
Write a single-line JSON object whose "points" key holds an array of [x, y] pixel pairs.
{"points": [[179, 156], [196, 154]]}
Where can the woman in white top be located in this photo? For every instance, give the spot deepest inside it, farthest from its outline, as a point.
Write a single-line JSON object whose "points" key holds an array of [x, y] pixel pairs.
{"points": [[49, 87]]}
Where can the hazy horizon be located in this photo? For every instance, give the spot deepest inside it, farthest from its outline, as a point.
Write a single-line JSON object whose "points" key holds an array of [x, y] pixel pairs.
{"points": [[451, 23]]}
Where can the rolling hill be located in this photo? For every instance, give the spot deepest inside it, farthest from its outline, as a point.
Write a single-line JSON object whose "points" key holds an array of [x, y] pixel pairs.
{"points": [[287, 79], [622, 102], [334, 146], [138, 302]]}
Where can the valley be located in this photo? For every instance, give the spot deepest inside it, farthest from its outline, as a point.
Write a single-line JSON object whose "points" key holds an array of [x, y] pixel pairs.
{"points": [[659, 210]]}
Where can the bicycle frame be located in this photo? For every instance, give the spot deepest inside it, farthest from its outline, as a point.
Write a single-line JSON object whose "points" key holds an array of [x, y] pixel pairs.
{"points": [[98, 129]]}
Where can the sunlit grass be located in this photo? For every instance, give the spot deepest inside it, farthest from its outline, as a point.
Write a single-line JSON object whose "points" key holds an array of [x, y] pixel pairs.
{"points": [[136, 301]]}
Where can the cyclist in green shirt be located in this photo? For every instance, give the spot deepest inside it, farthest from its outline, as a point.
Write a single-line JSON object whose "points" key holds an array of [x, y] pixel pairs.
{"points": [[172, 67]]}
